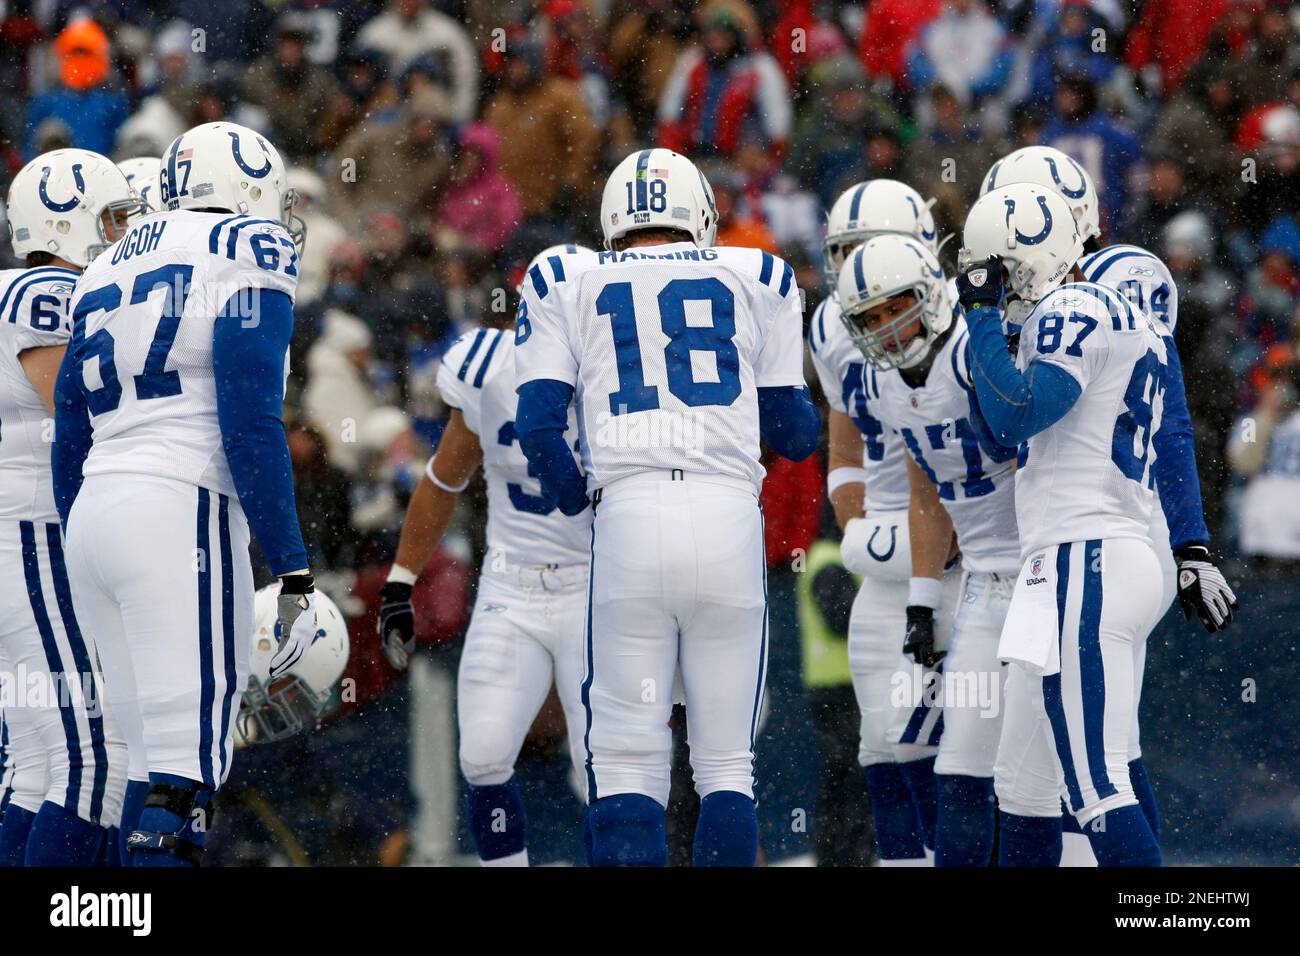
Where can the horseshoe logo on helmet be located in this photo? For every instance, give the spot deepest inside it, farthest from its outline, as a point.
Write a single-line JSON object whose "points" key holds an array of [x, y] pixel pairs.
{"points": [[1056, 178], [927, 236], [69, 204], [239, 160], [1047, 222]]}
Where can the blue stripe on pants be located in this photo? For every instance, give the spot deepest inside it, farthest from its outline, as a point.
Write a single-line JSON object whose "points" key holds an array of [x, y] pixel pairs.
{"points": [[1092, 673], [586, 682], [85, 667], [762, 647], [1052, 684], [207, 679], [227, 624], [53, 661]]}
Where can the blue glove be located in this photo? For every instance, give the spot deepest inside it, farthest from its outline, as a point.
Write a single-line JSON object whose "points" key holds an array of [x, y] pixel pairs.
{"points": [[982, 284]]}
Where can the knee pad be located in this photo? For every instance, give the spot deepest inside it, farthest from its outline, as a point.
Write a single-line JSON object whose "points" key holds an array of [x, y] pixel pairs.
{"points": [[486, 753], [174, 823], [627, 829]]}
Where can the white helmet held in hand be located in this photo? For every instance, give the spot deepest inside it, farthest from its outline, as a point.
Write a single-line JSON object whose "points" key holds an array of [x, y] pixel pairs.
{"points": [[1032, 229], [143, 175], [71, 203], [231, 167], [873, 208], [881, 269], [275, 709], [1053, 169], [658, 189]]}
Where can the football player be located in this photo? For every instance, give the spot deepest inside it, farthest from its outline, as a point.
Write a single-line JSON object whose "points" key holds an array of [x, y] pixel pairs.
{"points": [[169, 407], [532, 593], [867, 483], [678, 356], [899, 312], [64, 208]]}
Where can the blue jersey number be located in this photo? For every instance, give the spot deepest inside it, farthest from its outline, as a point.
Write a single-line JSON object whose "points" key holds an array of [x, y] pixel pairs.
{"points": [[1051, 327], [155, 381], [633, 394], [522, 500], [1131, 440], [976, 484]]}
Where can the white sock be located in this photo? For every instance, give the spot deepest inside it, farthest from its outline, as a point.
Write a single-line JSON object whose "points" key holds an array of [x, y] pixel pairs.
{"points": [[910, 861]]}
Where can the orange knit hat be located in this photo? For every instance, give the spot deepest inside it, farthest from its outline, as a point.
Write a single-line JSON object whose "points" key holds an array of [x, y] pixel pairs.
{"points": [[83, 54]]}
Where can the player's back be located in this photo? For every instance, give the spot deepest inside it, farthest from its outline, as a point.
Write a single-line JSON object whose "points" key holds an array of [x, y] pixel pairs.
{"points": [[671, 344], [144, 314], [843, 374], [33, 314], [1089, 475], [524, 527]]}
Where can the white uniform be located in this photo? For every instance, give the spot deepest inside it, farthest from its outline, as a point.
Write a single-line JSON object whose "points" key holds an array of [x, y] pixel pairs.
{"points": [[532, 595], [942, 429], [1270, 507], [1146, 282], [666, 347], [878, 620], [157, 540], [1089, 588], [78, 754]]}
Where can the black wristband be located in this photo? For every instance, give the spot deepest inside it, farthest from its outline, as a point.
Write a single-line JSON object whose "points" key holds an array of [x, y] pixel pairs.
{"points": [[297, 584]]}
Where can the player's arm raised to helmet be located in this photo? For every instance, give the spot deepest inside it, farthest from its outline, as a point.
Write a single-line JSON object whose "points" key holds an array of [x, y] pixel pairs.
{"points": [[458, 456], [844, 474]]}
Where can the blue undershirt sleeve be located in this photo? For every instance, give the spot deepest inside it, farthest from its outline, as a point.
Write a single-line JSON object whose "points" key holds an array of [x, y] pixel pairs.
{"points": [[72, 433], [789, 421], [540, 423], [1016, 405], [248, 364], [1177, 479]]}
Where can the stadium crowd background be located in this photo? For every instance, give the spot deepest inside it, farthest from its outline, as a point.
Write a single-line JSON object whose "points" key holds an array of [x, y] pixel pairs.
{"points": [[437, 146]]}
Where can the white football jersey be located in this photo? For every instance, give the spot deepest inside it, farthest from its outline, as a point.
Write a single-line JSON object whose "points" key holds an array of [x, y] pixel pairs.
{"points": [[950, 442], [1143, 279], [33, 313], [1139, 276], [839, 367], [144, 314], [1089, 475], [666, 347], [477, 375]]}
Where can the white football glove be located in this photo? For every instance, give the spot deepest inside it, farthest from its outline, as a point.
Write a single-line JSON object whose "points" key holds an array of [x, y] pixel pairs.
{"points": [[295, 629]]}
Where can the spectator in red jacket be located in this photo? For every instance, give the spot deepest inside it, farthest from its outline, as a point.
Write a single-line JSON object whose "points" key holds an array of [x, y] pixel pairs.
{"points": [[792, 500], [725, 93], [890, 26]]}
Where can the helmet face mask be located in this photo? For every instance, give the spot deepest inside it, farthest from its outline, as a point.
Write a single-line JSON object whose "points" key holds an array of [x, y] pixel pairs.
{"points": [[882, 270], [287, 707]]}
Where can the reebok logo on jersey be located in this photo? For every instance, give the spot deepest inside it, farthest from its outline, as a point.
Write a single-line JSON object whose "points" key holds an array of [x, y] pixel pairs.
{"points": [[76, 909], [493, 608]]}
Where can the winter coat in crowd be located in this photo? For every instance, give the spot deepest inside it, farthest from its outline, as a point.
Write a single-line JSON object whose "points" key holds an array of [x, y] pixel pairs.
{"points": [[478, 202], [433, 34]]}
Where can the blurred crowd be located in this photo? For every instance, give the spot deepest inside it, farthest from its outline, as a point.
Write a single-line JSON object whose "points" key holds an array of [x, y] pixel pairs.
{"points": [[437, 145]]}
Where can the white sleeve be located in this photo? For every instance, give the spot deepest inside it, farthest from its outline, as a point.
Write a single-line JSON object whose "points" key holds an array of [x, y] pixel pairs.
{"points": [[40, 312], [462, 371], [254, 254], [779, 359], [823, 350], [542, 345]]}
